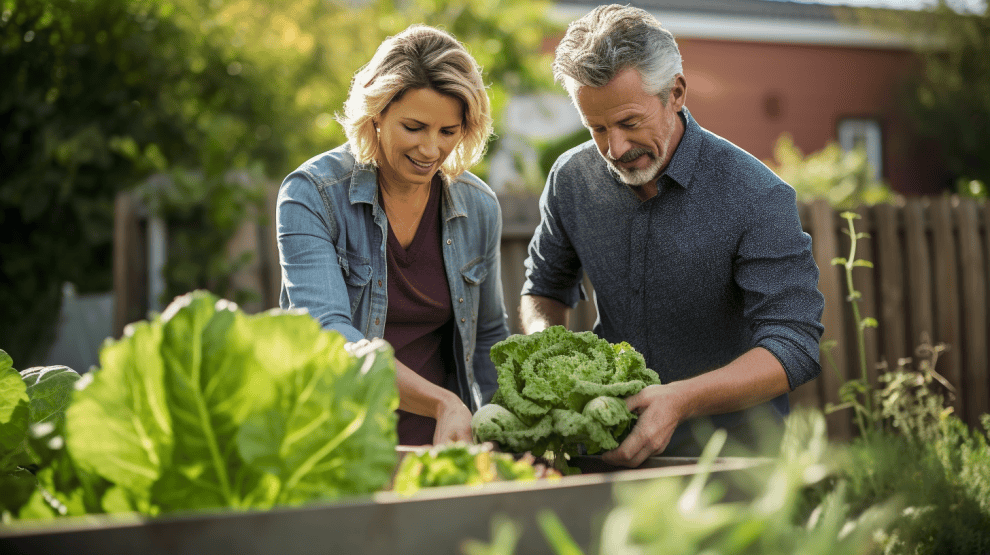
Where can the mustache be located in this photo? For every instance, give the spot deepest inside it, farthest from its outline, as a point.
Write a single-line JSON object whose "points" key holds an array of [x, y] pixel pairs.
{"points": [[632, 155]]}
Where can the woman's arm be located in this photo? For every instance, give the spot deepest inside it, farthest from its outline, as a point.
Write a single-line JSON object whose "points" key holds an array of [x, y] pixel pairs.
{"points": [[311, 274]]}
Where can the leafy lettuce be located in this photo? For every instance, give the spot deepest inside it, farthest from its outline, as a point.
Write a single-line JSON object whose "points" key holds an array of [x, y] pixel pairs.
{"points": [[558, 389], [460, 463], [207, 407], [32, 410]]}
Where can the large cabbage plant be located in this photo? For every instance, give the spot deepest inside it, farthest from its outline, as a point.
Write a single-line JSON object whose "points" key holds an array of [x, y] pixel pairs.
{"points": [[559, 389]]}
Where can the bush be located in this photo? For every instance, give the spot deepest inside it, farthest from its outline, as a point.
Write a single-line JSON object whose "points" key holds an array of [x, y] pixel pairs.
{"points": [[844, 179]]}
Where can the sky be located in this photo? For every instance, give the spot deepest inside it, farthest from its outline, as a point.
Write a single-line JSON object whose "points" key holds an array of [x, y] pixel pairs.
{"points": [[973, 5]]}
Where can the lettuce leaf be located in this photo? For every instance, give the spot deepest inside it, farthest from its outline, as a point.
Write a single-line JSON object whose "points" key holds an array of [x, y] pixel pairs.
{"points": [[15, 410], [558, 389], [208, 407]]}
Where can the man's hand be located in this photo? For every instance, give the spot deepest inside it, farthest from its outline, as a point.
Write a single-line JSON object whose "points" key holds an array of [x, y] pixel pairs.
{"points": [[453, 423], [659, 412]]}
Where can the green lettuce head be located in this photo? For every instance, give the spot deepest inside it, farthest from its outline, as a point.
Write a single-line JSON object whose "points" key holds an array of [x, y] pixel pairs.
{"points": [[558, 389]]}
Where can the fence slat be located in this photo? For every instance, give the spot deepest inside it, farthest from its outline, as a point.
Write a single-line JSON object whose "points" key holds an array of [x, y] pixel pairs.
{"points": [[946, 290], [890, 275], [974, 313], [130, 273], [918, 272], [826, 247]]}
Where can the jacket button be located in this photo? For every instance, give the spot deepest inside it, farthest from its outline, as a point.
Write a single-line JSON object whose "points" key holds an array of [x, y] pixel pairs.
{"points": [[460, 300], [449, 241], [379, 283], [463, 320], [467, 358], [377, 321]]}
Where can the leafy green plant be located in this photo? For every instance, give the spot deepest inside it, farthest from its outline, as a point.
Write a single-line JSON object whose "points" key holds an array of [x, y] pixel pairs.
{"points": [[853, 390], [32, 410], [677, 517], [207, 407], [842, 178], [460, 463], [911, 446], [558, 389]]}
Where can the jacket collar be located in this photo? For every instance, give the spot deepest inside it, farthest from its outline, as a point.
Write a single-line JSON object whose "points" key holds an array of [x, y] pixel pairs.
{"points": [[364, 188]]}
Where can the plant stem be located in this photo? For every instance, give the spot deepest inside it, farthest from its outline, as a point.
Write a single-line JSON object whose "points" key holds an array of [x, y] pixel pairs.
{"points": [[860, 328]]}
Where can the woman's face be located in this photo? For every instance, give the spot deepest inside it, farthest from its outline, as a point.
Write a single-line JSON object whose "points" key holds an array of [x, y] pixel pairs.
{"points": [[416, 134]]}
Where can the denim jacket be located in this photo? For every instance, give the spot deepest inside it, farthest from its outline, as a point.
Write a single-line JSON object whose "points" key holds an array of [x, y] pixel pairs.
{"points": [[331, 241]]}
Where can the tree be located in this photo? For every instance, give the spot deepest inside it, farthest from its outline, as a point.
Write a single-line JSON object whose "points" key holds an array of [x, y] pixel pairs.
{"points": [[100, 94], [949, 101]]}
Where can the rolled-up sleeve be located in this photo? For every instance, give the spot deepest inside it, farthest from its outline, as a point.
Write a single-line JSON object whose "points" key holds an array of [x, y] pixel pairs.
{"points": [[779, 278], [312, 277], [553, 269]]}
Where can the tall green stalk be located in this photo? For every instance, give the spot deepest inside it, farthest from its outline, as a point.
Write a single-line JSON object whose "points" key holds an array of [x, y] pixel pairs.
{"points": [[861, 323]]}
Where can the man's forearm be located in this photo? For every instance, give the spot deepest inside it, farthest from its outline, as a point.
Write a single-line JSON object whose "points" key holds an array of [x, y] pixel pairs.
{"points": [[753, 378], [539, 313]]}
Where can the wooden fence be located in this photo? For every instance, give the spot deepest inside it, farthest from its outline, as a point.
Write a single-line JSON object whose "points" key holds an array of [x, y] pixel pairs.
{"points": [[929, 280]]}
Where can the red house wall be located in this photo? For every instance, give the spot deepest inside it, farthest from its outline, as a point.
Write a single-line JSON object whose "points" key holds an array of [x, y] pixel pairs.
{"points": [[751, 93]]}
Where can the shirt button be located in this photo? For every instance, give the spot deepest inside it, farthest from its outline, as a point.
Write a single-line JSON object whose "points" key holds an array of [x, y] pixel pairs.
{"points": [[449, 241], [377, 321], [460, 300]]}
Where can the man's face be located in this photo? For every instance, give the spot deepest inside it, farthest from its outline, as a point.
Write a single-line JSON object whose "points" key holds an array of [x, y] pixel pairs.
{"points": [[634, 131]]}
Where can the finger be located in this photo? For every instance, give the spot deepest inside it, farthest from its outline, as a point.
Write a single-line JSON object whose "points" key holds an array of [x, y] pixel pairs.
{"points": [[640, 400]]}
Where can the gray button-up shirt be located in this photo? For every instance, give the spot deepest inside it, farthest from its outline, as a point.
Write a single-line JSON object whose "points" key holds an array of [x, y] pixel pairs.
{"points": [[712, 266]]}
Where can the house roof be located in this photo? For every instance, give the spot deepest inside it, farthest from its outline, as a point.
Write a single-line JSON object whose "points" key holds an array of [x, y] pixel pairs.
{"points": [[754, 20]]}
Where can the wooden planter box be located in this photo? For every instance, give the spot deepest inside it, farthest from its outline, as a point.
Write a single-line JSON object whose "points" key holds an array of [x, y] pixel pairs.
{"points": [[435, 520]]}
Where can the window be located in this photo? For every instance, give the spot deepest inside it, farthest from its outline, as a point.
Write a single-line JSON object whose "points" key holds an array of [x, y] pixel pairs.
{"points": [[854, 132]]}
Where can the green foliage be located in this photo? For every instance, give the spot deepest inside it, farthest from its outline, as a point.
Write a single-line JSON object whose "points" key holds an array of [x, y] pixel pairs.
{"points": [[203, 212], [948, 101], [558, 389], [207, 407], [97, 95], [32, 409], [463, 464], [100, 94], [844, 179], [677, 517], [912, 446], [853, 390]]}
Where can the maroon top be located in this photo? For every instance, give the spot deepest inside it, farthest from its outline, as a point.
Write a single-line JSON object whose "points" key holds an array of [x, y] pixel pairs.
{"points": [[419, 306]]}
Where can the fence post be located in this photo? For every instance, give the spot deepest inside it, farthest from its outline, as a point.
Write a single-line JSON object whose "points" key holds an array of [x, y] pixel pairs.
{"points": [[975, 393], [129, 264], [918, 272], [946, 294], [826, 248], [892, 315]]}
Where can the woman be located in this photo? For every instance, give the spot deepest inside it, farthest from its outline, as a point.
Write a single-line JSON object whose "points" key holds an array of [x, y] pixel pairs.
{"points": [[389, 236]]}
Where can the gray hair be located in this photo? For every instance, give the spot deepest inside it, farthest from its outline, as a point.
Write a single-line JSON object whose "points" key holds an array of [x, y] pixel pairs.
{"points": [[612, 38]]}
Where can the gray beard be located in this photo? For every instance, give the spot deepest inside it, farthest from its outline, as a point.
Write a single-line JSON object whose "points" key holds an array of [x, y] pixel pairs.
{"points": [[634, 178]]}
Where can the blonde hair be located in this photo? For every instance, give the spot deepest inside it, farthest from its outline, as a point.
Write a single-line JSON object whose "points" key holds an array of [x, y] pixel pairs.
{"points": [[421, 57]]}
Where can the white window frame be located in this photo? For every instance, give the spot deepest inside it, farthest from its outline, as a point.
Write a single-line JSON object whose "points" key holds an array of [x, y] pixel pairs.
{"points": [[865, 131]]}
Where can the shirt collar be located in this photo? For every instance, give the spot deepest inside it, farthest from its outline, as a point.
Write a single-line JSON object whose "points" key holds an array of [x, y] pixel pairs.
{"points": [[681, 166], [364, 183]]}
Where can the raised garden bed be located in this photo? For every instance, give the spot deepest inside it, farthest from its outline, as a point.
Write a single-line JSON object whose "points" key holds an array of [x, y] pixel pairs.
{"points": [[435, 520]]}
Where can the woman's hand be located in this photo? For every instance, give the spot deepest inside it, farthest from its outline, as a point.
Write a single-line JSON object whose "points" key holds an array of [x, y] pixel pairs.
{"points": [[453, 423]]}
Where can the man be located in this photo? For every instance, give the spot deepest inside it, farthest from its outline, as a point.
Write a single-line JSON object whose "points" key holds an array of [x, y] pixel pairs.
{"points": [[694, 247]]}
